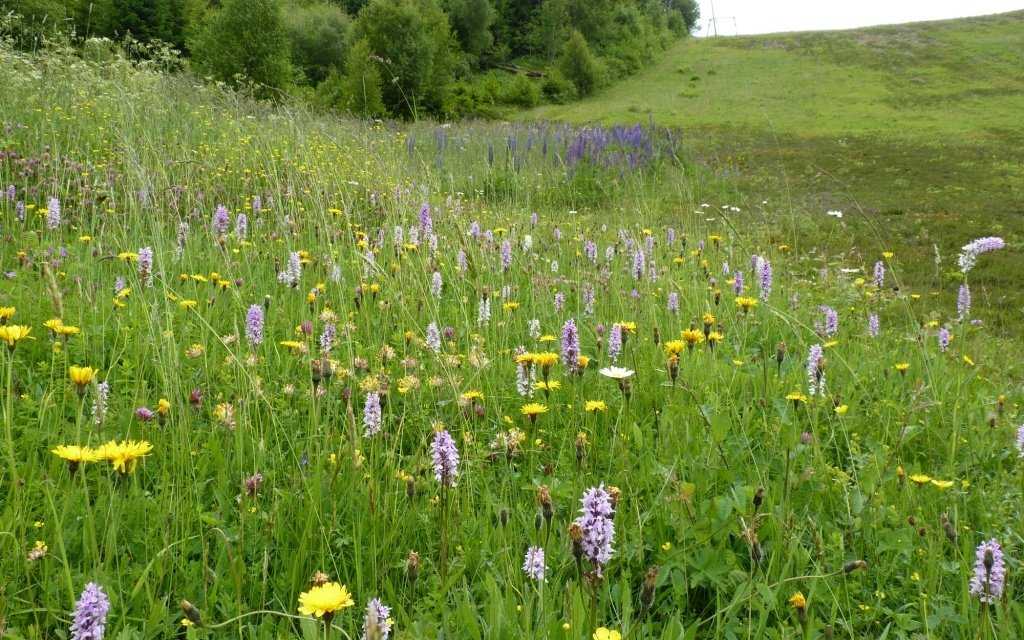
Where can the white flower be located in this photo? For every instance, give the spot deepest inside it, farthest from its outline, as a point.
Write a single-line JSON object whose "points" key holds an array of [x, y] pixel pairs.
{"points": [[834, 214], [617, 373]]}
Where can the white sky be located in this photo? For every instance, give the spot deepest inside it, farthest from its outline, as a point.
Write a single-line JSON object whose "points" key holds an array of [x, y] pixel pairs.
{"points": [[769, 16]]}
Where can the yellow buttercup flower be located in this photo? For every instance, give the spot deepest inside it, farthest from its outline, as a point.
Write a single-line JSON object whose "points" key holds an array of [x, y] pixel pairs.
{"points": [[601, 633], [325, 599]]}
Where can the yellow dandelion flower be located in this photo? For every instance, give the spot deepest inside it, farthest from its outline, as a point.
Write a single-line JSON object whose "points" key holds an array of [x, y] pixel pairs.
{"points": [[325, 599], [534, 409], [14, 333], [920, 479], [81, 376], [593, 406]]}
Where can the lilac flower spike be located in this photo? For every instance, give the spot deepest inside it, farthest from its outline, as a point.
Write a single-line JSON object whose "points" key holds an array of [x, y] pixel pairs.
{"points": [[372, 419], [570, 346], [53, 214], [969, 252], [378, 617], [254, 325], [597, 525], [815, 370], [533, 564], [765, 274], [445, 458], [1020, 440], [873, 325], [221, 220], [90, 614], [989, 572]]}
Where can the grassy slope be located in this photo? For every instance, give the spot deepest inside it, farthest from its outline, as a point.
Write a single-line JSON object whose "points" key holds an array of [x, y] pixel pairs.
{"points": [[921, 124]]}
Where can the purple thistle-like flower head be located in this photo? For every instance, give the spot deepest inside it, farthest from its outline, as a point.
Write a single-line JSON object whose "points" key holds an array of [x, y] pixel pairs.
{"points": [[597, 525], [372, 419], [221, 220], [969, 252], [570, 346], [445, 458], [533, 564], [989, 572], [252, 484], [144, 414], [90, 617], [378, 617], [254, 325]]}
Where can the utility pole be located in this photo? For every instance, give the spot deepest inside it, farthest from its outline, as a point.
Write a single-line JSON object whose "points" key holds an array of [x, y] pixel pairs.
{"points": [[714, 24]]}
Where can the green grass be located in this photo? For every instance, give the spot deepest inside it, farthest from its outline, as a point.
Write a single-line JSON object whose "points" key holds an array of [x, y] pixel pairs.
{"points": [[132, 154], [920, 126]]}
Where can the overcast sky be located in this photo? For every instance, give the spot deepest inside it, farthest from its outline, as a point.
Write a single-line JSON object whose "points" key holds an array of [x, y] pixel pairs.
{"points": [[769, 16]]}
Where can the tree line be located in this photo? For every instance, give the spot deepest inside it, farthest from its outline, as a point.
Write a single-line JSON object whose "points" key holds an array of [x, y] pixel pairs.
{"points": [[400, 58]]}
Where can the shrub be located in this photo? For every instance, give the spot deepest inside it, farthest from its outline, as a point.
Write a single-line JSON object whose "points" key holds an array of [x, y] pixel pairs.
{"points": [[521, 92], [245, 39], [580, 66], [557, 89], [414, 42], [318, 35]]}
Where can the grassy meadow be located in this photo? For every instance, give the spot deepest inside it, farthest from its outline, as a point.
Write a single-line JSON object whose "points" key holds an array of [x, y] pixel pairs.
{"points": [[914, 131], [527, 380]]}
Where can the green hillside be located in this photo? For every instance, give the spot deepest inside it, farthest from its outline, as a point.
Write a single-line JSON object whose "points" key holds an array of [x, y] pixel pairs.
{"points": [[922, 125]]}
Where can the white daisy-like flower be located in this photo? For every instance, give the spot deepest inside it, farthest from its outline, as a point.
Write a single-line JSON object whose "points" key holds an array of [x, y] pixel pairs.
{"points": [[617, 373]]}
